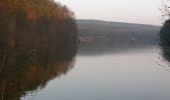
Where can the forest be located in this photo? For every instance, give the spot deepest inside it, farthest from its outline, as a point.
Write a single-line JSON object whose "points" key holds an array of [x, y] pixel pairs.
{"points": [[27, 21], [38, 42]]}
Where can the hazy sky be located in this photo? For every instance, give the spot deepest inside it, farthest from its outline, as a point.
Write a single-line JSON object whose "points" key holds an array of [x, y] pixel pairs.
{"points": [[131, 11]]}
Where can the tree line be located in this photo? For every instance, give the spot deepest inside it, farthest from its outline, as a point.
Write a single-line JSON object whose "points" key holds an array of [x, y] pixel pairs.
{"points": [[38, 42], [35, 21]]}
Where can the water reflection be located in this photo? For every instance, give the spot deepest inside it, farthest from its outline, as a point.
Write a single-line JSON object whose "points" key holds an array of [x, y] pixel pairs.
{"points": [[107, 47], [26, 67]]}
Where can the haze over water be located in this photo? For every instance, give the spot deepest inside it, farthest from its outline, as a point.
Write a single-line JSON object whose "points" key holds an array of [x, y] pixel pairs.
{"points": [[130, 11], [124, 73]]}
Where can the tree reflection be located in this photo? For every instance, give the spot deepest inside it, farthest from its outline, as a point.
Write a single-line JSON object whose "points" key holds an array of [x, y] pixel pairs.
{"points": [[26, 67]]}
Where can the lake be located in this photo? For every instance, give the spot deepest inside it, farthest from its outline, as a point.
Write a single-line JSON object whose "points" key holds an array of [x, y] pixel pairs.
{"points": [[114, 73]]}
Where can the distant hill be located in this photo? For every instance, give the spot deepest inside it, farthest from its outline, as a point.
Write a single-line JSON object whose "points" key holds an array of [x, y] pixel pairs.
{"points": [[117, 32], [117, 24]]}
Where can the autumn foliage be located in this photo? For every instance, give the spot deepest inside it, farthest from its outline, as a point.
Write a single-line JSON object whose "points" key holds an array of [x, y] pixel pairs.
{"points": [[38, 41], [35, 21], [35, 9]]}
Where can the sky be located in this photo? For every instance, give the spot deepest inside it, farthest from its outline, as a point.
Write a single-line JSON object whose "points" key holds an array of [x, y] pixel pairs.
{"points": [[130, 11]]}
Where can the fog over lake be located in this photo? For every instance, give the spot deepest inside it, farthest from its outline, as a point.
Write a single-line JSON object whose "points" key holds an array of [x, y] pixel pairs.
{"points": [[121, 73]]}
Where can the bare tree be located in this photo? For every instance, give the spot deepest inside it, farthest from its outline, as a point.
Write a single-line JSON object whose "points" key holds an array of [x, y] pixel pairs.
{"points": [[165, 10]]}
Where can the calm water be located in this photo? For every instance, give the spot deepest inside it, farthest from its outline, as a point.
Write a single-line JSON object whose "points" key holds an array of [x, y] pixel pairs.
{"points": [[121, 74]]}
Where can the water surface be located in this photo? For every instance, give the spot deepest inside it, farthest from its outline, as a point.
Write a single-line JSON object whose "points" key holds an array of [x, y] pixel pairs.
{"points": [[131, 74]]}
